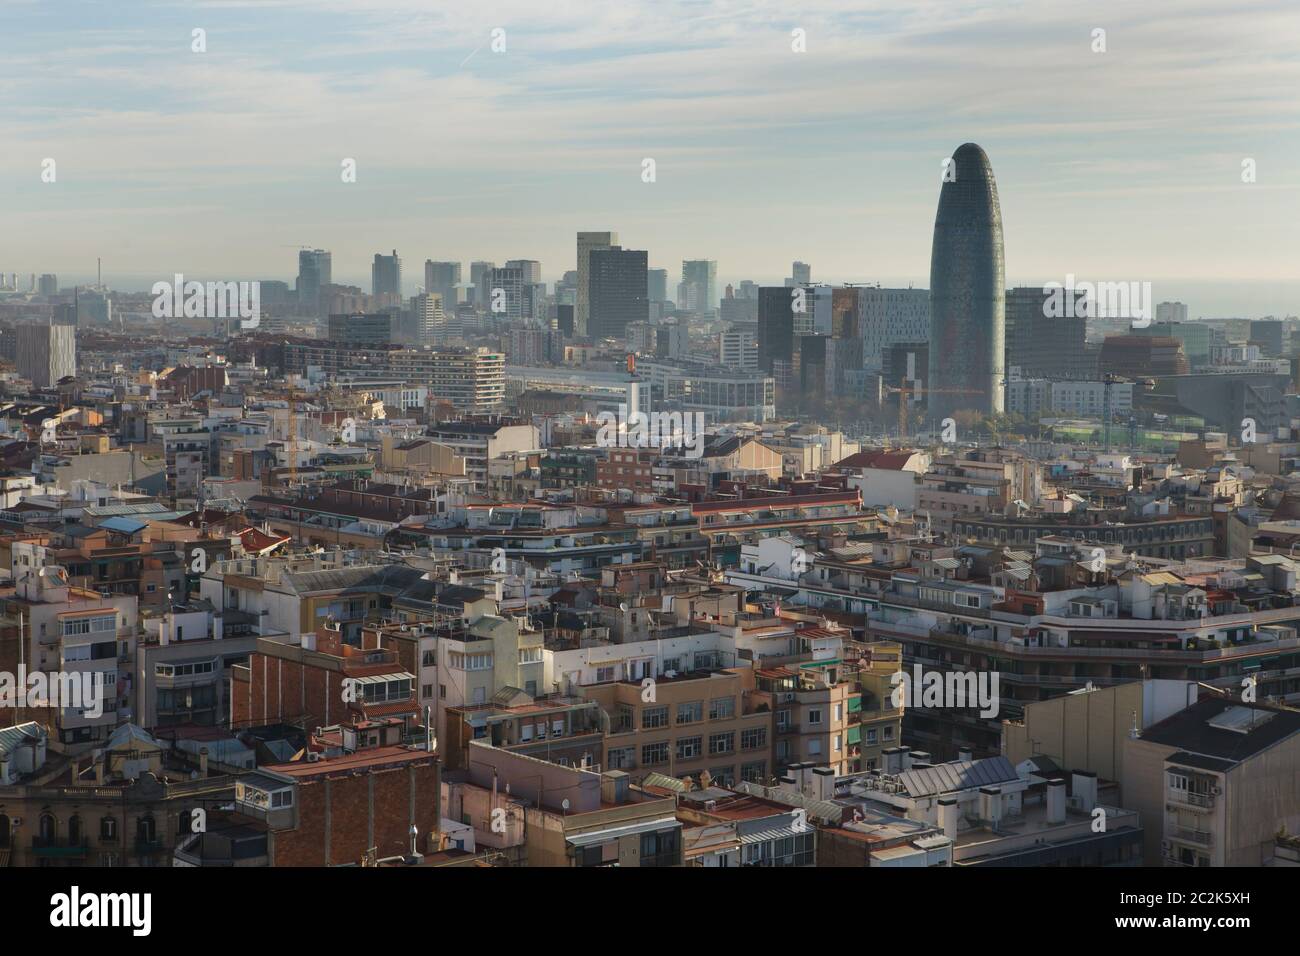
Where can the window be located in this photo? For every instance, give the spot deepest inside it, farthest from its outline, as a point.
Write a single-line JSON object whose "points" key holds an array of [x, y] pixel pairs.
{"points": [[108, 829], [753, 738], [871, 735], [530, 655], [753, 772], [653, 717], [689, 748], [814, 747], [722, 743], [722, 708], [661, 848], [86, 625], [889, 734], [839, 743], [604, 675], [814, 716], [622, 758], [281, 798], [654, 754], [430, 659], [690, 713], [426, 691]]}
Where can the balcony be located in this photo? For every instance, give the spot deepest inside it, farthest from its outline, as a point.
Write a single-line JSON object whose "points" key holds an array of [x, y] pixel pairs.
{"points": [[1189, 835], [1190, 799], [56, 848]]}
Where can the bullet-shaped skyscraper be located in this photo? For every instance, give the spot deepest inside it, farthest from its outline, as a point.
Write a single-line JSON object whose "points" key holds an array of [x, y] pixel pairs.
{"points": [[967, 290]]}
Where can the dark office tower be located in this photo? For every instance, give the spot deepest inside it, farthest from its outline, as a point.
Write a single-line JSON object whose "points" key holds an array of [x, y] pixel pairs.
{"points": [[314, 274], [616, 279], [1041, 344], [442, 278], [386, 276], [967, 295], [776, 326], [564, 319]]}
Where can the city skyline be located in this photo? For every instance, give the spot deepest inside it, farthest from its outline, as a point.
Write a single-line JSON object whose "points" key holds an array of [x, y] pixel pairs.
{"points": [[1099, 158]]}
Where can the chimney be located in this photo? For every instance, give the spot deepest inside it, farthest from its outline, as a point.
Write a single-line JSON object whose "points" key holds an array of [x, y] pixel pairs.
{"points": [[991, 805], [904, 759], [966, 754], [1084, 787], [203, 762], [918, 757], [948, 816], [1055, 800], [823, 783], [796, 770]]}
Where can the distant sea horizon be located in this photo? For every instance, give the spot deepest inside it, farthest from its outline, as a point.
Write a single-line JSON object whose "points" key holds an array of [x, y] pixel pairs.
{"points": [[1205, 298]]}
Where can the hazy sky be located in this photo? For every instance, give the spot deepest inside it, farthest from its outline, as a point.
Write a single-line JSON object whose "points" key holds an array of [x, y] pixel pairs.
{"points": [[1119, 165]]}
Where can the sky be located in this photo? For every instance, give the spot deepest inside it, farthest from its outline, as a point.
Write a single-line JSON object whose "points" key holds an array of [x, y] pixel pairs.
{"points": [[1122, 165]]}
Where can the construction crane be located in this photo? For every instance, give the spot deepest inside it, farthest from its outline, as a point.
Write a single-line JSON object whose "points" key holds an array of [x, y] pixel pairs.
{"points": [[913, 387]]}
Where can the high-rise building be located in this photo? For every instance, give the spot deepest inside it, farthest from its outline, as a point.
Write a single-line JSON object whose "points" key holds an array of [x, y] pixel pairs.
{"points": [[482, 291], [657, 285], [698, 291], [1171, 312], [530, 270], [1042, 345], [45, 353], [800, 274], [617, 286], [506, 298], [1268, 334], [889, 316], [430, 316], [48, 285], [587, 241], [315, 272], [967, 291], [386, 278], [779, 325], [443, 279]]}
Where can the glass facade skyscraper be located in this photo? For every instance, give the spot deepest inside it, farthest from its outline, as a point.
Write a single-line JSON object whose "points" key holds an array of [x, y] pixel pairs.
{"points": [[967, 291]]}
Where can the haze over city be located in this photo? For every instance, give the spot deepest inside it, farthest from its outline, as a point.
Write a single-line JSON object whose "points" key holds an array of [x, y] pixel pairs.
{"points": [[1120, 163]]}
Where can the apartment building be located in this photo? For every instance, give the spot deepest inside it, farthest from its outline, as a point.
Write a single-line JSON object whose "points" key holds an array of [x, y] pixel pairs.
{"points": [[353, 808], [115, 808], [574, 817], [1216, 782], [686, 721], [320, 680], [72, 631], [472, 380]]}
